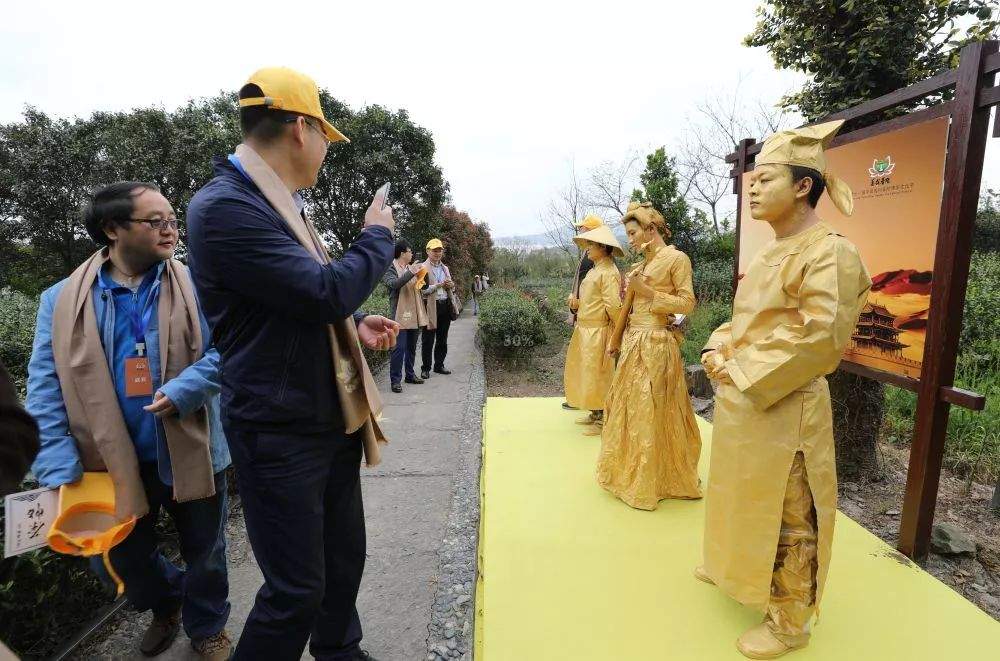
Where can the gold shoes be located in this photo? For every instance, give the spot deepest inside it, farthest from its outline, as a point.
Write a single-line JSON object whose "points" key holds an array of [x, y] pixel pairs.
{"points": [[699, 573], [760, 643]]}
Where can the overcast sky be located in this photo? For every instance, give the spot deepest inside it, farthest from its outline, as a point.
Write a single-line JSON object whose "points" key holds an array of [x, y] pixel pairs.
{"points": [[513, 92]]}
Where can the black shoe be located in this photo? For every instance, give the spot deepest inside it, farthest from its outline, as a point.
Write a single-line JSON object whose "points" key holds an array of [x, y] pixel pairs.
{"points": [[441, 370], [566, 406], [425, 374], [363, 655], [413, 379], [397, 387]]}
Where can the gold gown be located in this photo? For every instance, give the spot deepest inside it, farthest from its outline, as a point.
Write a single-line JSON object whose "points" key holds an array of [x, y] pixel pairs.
{"points": [[793, 315], [589, 368], [650, 443]]}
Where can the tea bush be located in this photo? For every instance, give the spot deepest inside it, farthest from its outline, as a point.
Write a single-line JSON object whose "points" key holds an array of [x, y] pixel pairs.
{"points": [[510, 324]]}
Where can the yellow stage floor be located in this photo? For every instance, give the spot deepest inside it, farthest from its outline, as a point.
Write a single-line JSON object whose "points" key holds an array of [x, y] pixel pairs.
{"points": [[569, 572]]}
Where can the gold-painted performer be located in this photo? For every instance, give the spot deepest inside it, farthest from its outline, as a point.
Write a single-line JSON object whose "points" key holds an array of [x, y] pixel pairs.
{"points": [[772, 486], [650, 442], [589, 367]]}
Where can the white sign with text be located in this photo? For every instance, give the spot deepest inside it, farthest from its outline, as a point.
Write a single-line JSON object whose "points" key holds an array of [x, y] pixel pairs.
{"points": [[27, 518]]}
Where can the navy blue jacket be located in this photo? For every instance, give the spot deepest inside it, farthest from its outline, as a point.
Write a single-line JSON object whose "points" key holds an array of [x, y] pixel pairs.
{"points": [[268, 302]]}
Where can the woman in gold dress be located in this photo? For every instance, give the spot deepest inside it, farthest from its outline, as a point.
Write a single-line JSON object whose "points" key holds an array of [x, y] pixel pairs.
{"points": [[650, 442], [589, 367]]}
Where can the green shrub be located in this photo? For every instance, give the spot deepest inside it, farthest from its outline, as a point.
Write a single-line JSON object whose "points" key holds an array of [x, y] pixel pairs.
{"points": [[17, 332], [707, 316], [713, 280], [982, 303], [510, 324]]}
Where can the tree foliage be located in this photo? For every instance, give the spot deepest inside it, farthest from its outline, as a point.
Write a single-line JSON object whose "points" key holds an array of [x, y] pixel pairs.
{"points": [[48, 165], [856, 50], [468, 245], [662, 186]]}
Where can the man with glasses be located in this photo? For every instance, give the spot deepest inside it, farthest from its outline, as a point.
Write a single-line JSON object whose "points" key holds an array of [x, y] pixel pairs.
{"points": [[123, 379], [299, 402]]}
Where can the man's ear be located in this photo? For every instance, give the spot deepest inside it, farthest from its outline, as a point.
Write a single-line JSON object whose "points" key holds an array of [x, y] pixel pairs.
{"points": [[111, 231], [803, 187]]}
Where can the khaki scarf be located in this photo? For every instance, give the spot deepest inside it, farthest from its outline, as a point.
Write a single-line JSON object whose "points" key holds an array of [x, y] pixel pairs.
{"points": [[408, 302], [356, 389], [96, 420]]}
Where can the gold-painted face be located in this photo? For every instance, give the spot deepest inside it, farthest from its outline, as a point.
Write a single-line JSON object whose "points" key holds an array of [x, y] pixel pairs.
{"points": [[772, 192], [637, 236], [595, 251]]}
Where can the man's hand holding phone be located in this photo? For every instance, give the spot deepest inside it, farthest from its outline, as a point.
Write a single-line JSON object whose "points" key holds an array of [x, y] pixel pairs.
{"points": [[379, 212]]}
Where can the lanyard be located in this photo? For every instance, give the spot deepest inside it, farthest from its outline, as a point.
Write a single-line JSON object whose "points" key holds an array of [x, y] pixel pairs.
{"points": [[140, 319]]}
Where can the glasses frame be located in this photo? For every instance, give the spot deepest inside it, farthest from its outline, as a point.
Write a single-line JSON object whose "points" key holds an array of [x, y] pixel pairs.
{"points": [[157, 223], [322, 134]]}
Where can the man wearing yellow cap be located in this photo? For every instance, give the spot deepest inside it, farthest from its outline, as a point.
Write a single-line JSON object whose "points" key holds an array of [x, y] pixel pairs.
{"points": [[438, 293], [772, 488], [300, 404]]}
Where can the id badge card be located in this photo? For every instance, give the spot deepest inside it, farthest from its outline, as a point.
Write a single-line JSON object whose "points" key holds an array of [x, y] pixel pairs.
{"points": [[138, 380]]}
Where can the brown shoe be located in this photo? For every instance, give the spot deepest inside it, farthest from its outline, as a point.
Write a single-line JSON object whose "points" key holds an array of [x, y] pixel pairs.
{"points": [[214, 648], [160, 633]]}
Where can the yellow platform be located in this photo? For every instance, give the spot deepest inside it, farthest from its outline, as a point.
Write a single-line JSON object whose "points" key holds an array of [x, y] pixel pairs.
{"points": [[569, 572]]}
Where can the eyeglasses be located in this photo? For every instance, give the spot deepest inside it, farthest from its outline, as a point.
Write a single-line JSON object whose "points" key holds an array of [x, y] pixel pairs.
{"points": [[322, 134], [157, 223]]}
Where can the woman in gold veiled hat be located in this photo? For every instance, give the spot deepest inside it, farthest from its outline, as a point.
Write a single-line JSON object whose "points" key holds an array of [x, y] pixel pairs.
{"points": [[650, 443], [588, 371], [772, 486]]}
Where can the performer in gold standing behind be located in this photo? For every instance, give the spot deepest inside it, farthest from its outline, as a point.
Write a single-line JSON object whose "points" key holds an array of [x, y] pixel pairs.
{"points": [[772, 487], [650, 443], [589, 367]]}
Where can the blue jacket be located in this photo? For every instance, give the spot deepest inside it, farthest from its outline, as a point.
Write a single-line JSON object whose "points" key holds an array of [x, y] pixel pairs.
{"points": [[269, 303], [58, 461]]}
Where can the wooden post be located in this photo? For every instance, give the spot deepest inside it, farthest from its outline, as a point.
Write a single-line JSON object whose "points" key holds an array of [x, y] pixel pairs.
{"points": [[962, 178], [739, 168]]}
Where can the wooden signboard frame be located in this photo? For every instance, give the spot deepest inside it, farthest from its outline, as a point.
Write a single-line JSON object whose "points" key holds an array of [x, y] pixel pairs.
{"points": [[969, 111]]}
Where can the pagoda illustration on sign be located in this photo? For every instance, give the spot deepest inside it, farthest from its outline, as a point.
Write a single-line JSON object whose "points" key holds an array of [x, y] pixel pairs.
{"points": [[876, 330]]}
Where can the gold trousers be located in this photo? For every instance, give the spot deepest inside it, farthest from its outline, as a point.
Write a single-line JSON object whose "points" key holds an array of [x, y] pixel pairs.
{"points": [[793, 583]]}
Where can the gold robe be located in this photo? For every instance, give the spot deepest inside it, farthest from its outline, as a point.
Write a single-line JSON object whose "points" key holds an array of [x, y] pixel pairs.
{"points": [[589, 368], [793, 315], [650, 443]]}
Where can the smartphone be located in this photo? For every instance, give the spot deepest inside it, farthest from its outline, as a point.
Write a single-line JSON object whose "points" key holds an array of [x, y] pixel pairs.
{"points": [[385, 192]]}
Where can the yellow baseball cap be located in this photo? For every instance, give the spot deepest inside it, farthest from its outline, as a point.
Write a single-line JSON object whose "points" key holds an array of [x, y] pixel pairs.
{"points": [[434, 244], [287, 89], [590, 222]]}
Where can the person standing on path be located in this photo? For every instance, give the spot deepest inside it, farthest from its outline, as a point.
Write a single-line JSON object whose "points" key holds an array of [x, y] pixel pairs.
{"points": [[131, 310], [441, 311], [299, 402], [478, 288], [405, 306]]}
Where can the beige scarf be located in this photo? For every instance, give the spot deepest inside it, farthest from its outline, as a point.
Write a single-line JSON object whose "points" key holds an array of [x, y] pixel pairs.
{"points": [[96, 420], [356, 389], [410, 311]]}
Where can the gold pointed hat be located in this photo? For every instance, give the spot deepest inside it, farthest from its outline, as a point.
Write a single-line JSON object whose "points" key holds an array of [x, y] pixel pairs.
{"points": [[804, 147], [601, 234]]}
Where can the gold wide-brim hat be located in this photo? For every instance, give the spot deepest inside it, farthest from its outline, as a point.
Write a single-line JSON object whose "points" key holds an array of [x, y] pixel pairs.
{"points": [[602, 235], [805, 147]]}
